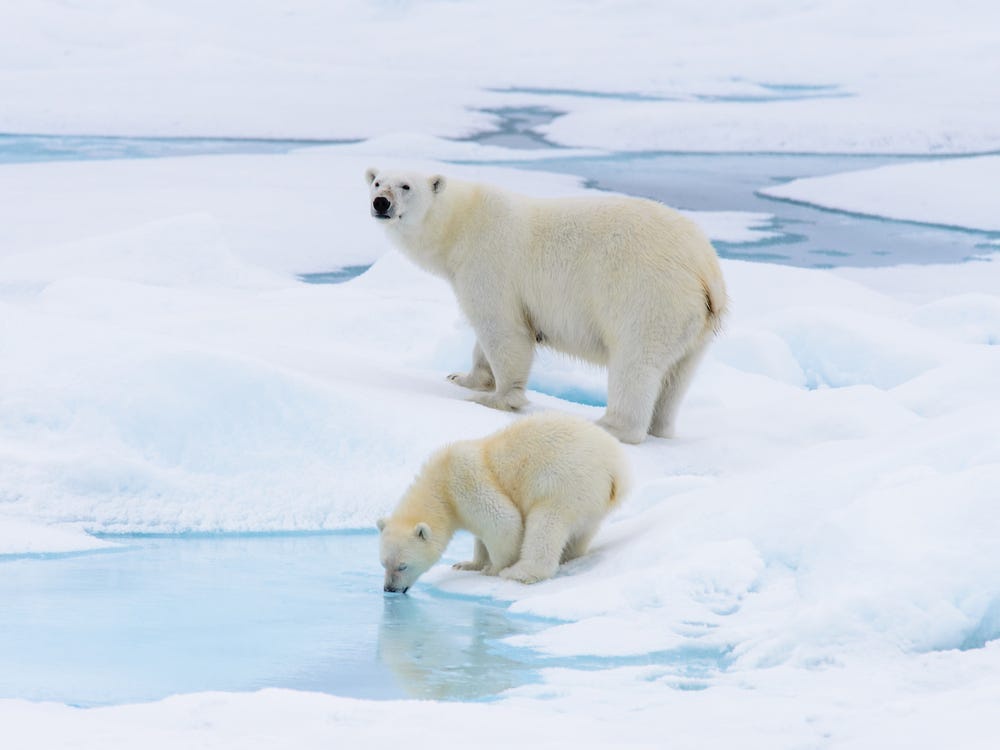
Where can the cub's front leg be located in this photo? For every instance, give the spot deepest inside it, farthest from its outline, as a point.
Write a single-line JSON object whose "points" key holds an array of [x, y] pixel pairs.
{"points": [[480, 558]]}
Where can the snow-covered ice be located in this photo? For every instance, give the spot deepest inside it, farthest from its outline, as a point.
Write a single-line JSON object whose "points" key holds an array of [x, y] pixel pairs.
{"points": [[851, 76], [823, 526], [952, 192], [813, 562], [169, 373]]}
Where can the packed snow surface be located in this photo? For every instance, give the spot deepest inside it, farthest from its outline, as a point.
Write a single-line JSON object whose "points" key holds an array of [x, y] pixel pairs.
{"points": [[852, 76], [823, 529], [953, 192]]}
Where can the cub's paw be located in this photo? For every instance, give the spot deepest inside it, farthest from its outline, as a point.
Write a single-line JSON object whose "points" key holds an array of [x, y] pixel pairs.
{"points": [[522, 574], [511, 401], [472, 380], [469, 565]]}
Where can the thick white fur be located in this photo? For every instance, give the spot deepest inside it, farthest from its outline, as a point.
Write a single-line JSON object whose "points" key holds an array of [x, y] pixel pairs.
{"points": [[533, 494], [622, 282]]}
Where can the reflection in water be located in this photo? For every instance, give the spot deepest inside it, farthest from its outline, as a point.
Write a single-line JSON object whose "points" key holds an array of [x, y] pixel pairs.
{"points": [[433, 656], [162, 615]]}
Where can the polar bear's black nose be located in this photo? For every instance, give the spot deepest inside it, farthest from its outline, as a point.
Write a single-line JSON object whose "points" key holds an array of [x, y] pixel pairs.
{"points": [[380, 204]]}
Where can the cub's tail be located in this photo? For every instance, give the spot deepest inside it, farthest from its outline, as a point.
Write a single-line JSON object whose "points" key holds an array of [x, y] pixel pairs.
{"points": [[619, 484]]}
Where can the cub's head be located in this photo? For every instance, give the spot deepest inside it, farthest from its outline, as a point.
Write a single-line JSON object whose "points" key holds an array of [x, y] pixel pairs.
{"points": [[401, 198], [407, 550]]}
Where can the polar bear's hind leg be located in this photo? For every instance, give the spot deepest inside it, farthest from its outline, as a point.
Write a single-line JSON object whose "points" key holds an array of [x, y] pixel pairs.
{"points": [[675, 384], [633, 387]]}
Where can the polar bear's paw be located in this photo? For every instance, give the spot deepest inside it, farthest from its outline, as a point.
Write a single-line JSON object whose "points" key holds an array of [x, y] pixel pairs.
{"points": [[523, 574], [510, 401], [469, 565], [473, 380], [633, 435]]}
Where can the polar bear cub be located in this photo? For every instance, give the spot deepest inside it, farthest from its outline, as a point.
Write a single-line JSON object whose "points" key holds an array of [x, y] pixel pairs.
{"points": [[622, 282], [533, 494]]}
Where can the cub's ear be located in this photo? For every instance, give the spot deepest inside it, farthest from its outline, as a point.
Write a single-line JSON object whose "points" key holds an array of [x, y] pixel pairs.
{"points": [[380, 524], [370, 174], [437, 183], [422, 530]]}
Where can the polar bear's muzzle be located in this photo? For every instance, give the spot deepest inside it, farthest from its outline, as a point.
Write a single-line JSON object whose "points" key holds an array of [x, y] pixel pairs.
{"points": [[382, 208]]}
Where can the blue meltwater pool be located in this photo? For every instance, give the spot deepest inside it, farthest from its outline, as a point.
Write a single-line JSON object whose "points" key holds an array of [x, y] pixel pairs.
{"points": [[163, 615]]}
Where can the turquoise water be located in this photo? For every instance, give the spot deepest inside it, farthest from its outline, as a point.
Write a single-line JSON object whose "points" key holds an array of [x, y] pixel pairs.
{"points": [[33, 148], [160, 615], [164, 615]]}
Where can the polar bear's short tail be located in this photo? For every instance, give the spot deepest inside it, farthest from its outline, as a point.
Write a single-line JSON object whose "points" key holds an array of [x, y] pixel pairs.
{"points": [[716, 301], [619, 487]]}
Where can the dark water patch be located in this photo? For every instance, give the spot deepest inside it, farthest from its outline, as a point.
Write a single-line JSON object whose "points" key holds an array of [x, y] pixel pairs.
{"points": [[978, 233], [623, 96], [516, 128], [34, 148], [810, 236], [831, 253], [767, 92], [727, 251], [337, 276], [800, 87]]}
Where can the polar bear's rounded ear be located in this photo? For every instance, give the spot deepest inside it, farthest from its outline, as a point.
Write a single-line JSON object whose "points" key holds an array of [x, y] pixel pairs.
{"points": [[380, 524], [422, 530], [370, 174], [437, 183]]}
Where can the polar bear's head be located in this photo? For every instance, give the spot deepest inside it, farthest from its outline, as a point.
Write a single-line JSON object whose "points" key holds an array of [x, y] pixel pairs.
{"points": [[407, 550], [401, 197]]}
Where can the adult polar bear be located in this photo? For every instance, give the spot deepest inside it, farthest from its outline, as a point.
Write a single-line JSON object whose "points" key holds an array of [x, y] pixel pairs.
{"points": [[617, 281]]}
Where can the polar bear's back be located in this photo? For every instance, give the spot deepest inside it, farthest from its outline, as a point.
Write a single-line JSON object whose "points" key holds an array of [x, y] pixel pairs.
{"points": [[549, 456], [587, 271]]}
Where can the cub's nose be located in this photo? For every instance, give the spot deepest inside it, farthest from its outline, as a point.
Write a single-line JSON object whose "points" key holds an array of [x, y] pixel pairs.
{"points": [[389, 589], [381, 205]]}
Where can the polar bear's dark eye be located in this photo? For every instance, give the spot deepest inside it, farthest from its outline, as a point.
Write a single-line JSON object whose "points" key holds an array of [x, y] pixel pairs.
{"points": [[376, 184], [406, 187], [402, 567]]}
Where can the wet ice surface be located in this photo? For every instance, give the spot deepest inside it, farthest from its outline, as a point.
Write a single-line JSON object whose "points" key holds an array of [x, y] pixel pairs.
{"points": [[807, 236], [165, 615]]}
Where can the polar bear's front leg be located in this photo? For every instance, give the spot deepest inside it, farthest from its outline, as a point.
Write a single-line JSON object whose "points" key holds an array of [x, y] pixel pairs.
{"points": [[480, 377], [480, 558], [509, 351]]}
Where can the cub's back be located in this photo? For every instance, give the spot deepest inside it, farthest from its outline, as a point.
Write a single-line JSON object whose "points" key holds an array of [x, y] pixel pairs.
{"points": [[550, 454]]}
